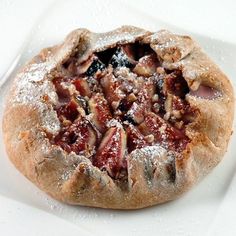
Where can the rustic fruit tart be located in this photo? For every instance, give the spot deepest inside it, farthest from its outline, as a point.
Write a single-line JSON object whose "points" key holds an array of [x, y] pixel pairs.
{"points": [[125, 119]]}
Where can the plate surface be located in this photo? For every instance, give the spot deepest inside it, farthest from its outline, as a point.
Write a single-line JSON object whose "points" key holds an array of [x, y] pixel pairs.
{"points": [[196, 213]]}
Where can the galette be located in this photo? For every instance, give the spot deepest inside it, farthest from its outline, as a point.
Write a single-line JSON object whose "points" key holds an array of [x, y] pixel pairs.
{"points": [[124, 119]]}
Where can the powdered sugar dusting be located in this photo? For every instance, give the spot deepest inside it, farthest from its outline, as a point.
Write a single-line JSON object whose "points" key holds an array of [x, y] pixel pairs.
{"points": [[66, 175], [114, 123], [170, 47], [122, 35], [151, 162], [149, 152], [33, 90]]}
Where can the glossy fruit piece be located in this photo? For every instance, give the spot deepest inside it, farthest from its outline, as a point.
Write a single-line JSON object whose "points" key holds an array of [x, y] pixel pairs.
{"points": [[110, 155], [79, 138], [68, 111], [135, 138], [100, 110], [146, 65], [165, 134], [82, 86]]}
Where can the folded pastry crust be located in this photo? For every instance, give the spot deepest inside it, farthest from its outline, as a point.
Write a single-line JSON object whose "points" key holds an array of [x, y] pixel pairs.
{"points": [[30, 121]]}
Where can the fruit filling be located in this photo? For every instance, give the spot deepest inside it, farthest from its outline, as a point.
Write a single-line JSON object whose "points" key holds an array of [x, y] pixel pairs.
{"points": [[120, 100]]}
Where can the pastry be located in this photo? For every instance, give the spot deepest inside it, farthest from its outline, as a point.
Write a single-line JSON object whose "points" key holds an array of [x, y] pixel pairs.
{"points": [[124, 119]]}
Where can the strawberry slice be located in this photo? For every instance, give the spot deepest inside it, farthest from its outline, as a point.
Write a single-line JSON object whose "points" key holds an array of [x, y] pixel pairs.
{"points": [[111, 152], [135, 138], [147, 65], [100, 110], [82, 86], [78, 137], [165, 134]]}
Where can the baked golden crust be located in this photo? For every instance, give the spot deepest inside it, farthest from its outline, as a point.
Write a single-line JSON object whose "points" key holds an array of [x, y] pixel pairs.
{"points": [[71, 178]]}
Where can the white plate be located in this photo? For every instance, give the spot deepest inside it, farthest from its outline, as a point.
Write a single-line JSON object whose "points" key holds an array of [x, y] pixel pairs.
{"points": [[192, 214]]}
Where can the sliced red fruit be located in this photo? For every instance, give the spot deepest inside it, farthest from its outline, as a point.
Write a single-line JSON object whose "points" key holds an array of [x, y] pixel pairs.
{"points": [[205, 92], [113, 93], [82, 86], [111, 152], [143, 103], [68, 111], [78, 137], [147, 65], [135, 138], [163, 132], [100, 110]]}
